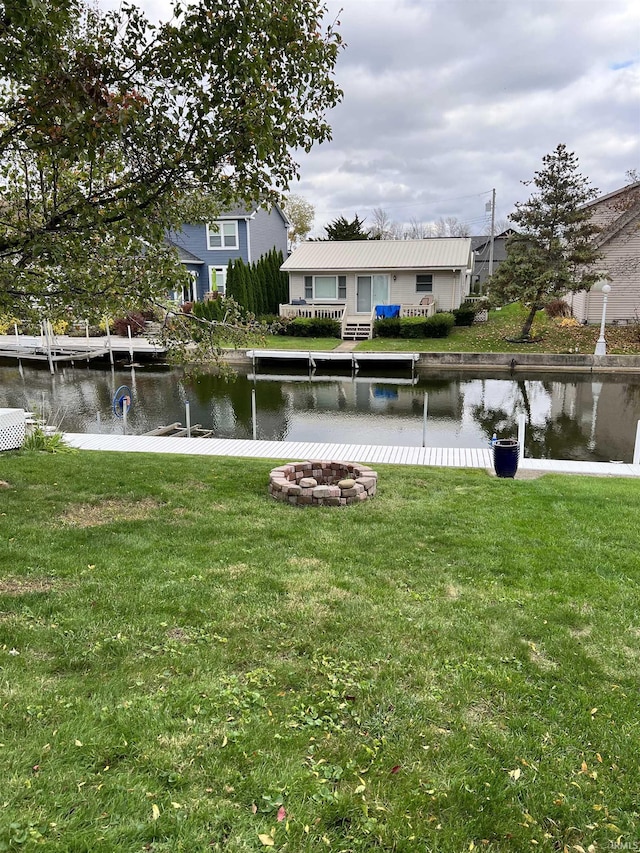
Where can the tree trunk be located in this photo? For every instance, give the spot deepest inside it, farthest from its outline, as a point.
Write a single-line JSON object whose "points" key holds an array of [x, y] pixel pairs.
{"points": [[526, 329]]}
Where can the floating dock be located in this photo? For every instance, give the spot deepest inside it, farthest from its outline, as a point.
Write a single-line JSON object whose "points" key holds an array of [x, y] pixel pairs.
{"points": [[313, 358]]}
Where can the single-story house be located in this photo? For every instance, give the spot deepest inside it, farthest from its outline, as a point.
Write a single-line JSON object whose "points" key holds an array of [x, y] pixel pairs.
{"points": [[205, 248], [618, 215], [348, 280]]}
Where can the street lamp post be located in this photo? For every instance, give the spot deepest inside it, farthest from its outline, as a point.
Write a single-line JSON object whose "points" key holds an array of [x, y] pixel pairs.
{"points": [[601, 344]]}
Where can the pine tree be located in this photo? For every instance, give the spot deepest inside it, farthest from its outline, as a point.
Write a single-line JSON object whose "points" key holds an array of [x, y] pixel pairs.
{"points": [[554, 253]]}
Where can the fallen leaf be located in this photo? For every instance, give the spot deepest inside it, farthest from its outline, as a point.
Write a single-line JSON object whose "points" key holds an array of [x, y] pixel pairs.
{"points": [[282, 813], [155, 812], [515, 774], [267, 840], [395, 769]]}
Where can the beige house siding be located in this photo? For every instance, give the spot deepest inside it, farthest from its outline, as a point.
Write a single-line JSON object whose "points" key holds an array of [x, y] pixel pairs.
{"points": [[622, 262], [449, 287]]}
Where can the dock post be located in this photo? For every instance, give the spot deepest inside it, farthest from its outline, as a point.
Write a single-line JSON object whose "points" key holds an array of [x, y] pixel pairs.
{"points": [[48, 336], [15, 329], [187, 415], [108, 331], [636, 449], [254, 423], [99, 420], [522, 425], [130, 343], [86, 331], [125, 409], [424, 419]]}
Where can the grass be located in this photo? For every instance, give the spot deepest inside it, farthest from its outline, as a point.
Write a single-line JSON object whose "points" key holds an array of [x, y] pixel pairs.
{"points": [[187, 665], [492, 336], [304, 344]]}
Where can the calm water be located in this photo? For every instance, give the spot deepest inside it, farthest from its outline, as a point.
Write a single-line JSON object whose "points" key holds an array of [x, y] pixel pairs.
{"points": [[569, 416]]}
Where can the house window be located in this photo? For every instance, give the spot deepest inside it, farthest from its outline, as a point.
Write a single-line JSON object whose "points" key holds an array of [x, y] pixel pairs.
{"points": [[424, 283], [223, 235], [218, 280], [325, 287]]}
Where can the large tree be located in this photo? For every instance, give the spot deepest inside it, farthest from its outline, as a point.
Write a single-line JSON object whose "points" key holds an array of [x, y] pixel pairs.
{"points": [[114, 129], [555, 252]]}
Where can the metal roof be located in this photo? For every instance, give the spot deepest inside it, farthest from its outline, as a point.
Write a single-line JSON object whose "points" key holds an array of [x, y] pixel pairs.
{"points": [[334, 256]]}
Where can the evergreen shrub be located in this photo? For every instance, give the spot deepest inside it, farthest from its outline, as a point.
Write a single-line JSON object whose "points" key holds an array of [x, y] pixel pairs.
{"points": [[312, 327]]}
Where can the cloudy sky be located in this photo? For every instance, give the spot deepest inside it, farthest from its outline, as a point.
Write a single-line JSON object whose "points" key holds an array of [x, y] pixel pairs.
{"points": [[446, 99]]}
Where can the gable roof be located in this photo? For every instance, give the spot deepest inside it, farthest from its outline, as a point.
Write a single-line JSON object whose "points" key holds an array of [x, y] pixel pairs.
{"points": [[336, 255], [622, 191], [184, 255]]}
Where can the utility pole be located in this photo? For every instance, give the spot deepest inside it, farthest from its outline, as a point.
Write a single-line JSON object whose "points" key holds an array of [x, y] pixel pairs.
{"points": [[493, 228]]}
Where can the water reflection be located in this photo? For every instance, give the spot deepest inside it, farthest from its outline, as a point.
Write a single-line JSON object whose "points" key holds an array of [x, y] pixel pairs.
{"points": [[568, 416]]}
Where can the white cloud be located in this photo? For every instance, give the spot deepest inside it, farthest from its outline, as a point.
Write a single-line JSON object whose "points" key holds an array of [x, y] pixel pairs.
{"points": [[445, 99]]}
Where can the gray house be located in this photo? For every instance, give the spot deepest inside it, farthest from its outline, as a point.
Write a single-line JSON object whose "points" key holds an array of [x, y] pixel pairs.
{"points": [[481, 247], [206, 248], [355, 281]]}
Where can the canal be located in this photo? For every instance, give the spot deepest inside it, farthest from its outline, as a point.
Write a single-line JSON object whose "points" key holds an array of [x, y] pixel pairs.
{"points": [[569, 416]]}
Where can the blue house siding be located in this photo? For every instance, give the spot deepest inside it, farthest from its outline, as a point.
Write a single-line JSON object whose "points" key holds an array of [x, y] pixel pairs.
{"points": [[258, 233], [193, 238], [268, 230]]}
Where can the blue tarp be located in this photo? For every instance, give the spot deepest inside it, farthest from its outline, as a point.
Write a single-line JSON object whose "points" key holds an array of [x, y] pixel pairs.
{"points": [[386, 311]]}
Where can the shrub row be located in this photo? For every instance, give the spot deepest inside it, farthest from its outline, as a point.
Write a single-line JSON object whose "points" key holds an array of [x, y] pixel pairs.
{"points": [[437, 326], [311, 327]]}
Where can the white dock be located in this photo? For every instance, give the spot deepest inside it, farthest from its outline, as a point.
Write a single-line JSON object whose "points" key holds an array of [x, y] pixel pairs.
{"points": [[312, 357], [443, 457]]}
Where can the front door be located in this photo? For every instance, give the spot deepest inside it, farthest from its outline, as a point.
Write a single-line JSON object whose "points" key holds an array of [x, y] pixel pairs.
{"points": [[371, 290]]}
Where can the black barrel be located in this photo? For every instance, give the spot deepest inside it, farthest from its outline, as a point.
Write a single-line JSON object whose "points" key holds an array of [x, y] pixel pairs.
{"points": [[506, 452]]}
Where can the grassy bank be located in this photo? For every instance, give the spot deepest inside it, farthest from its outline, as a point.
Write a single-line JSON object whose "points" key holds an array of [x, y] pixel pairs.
{"points": [[493, 336], [189, 666]]}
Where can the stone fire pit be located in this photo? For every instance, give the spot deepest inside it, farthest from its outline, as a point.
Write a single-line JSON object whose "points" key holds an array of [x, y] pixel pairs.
{"points": [[315, 483]]}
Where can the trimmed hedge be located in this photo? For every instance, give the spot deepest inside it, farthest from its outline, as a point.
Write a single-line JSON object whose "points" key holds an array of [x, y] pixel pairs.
{"points": [[437, 326], [312, 327]]}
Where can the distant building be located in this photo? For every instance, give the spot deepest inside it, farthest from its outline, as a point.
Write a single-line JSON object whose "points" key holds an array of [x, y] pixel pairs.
{"points": [[481, 247]]}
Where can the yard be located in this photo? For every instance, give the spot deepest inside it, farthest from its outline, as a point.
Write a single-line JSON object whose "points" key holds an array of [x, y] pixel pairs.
{"points": [[493, 335], [188, 666]]}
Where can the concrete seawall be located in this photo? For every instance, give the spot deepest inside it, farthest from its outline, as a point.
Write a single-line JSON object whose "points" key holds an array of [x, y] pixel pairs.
{"points": [[573, 362]]}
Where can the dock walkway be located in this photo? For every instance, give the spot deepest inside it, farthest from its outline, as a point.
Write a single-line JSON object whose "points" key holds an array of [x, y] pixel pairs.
{"points": [[445, 457]]}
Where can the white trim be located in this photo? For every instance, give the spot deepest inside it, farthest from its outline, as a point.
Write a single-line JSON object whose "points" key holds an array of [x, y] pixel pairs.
{"points": [[222, 285], [220, 233], [248, 227]]}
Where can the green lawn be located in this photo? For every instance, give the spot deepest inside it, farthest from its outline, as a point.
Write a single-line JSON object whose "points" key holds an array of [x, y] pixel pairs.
{"points": [[491, 336], [505, 323], [187, 665]]}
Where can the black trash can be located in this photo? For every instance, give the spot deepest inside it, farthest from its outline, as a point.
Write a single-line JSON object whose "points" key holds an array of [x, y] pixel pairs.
{"points": [[506, 453]]}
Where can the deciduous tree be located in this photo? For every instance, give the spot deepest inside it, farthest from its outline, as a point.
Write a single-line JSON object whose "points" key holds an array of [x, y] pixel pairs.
{"points": [[114, 129], [300, 213]]}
